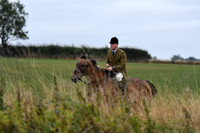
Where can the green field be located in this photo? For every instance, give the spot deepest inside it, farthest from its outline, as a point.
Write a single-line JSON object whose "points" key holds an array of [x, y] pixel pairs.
{"points": [[175, 78], [31, 102]]}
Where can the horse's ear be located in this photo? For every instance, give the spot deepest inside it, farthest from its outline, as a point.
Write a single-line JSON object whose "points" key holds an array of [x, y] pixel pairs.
{"points": [[94, 62], [84, 55], [88, 55]]}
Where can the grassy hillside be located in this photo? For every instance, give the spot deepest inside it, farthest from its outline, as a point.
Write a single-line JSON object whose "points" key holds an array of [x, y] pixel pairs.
{"points": [[31, 100]]}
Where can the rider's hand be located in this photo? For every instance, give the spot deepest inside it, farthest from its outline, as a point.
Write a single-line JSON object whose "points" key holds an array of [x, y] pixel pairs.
{"points": [[107, 65], [109, 68]]}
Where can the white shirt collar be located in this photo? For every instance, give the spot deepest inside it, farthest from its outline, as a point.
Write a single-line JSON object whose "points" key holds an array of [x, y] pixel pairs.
{"points": [[114, 50]]}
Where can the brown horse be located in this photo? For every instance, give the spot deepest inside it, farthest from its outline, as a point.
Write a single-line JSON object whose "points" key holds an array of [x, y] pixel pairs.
{"points": [[101, 78]]}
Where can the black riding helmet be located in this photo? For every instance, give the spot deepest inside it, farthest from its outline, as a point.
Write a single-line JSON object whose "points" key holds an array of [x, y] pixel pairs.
{"points": [[114, 40]]}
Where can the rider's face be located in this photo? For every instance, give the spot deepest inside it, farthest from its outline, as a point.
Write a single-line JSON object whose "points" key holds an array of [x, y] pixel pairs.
{"points": [[113, 46]]}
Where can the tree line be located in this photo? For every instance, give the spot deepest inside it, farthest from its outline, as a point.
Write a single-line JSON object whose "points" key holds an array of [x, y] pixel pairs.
{"points": [[69, 52]]}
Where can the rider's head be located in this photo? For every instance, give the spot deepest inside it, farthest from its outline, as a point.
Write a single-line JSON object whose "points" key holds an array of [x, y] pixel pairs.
{"points": [[114, 43]]}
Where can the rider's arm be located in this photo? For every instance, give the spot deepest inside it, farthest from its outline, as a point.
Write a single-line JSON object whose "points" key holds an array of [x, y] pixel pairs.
{"points": [[122, 64]]}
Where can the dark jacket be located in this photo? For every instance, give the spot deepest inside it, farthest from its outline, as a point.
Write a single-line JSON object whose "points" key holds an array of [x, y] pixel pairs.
{"points": [[118, 61]]}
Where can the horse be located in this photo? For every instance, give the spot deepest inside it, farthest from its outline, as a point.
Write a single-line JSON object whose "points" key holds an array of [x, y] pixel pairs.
{"points": [[101, 78]]}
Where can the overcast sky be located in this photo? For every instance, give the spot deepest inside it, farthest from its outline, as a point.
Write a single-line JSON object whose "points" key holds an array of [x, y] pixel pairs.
{"points": [[162, 27]]}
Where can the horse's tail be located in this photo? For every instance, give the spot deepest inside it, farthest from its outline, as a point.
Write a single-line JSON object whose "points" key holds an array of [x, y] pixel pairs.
{"points": [[153, 88]]}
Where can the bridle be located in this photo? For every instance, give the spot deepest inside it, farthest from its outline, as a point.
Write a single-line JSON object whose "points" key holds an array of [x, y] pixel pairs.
{"points": [[78, 71]]}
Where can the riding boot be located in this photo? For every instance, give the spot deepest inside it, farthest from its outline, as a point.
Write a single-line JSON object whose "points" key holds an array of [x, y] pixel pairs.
{"points": [[122, 87]]}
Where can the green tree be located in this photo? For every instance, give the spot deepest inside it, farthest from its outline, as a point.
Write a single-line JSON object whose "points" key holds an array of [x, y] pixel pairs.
{"points": [[191, 59], [12, 22], [177, 58]]}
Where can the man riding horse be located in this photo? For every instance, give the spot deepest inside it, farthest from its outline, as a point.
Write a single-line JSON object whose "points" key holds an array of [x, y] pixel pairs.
{"points": [[116, 61], [108, 79]]}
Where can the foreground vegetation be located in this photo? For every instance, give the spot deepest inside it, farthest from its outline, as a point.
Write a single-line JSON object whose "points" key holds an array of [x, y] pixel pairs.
{"points": [[37, 95]]}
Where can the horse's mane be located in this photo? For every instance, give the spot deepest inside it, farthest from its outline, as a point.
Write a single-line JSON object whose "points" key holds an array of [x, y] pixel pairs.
{"points": [[94, 63]]}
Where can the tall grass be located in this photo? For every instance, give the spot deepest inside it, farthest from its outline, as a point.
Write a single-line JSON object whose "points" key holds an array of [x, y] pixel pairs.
{"points": [[38, 96]]}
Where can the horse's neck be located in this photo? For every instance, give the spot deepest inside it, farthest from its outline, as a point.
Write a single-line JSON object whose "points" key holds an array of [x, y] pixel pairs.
{"points": [[96, 75], [99, 78]]}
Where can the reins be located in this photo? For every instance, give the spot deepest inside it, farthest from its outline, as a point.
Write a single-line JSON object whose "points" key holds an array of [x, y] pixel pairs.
{"points": [[83, 81]]}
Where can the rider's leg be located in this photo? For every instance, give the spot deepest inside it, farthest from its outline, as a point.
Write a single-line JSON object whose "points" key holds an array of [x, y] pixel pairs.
{"points": [[123, 86]]}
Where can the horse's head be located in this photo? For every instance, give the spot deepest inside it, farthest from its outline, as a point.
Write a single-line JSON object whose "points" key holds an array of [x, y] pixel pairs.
{"points": [[83, 66]]}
